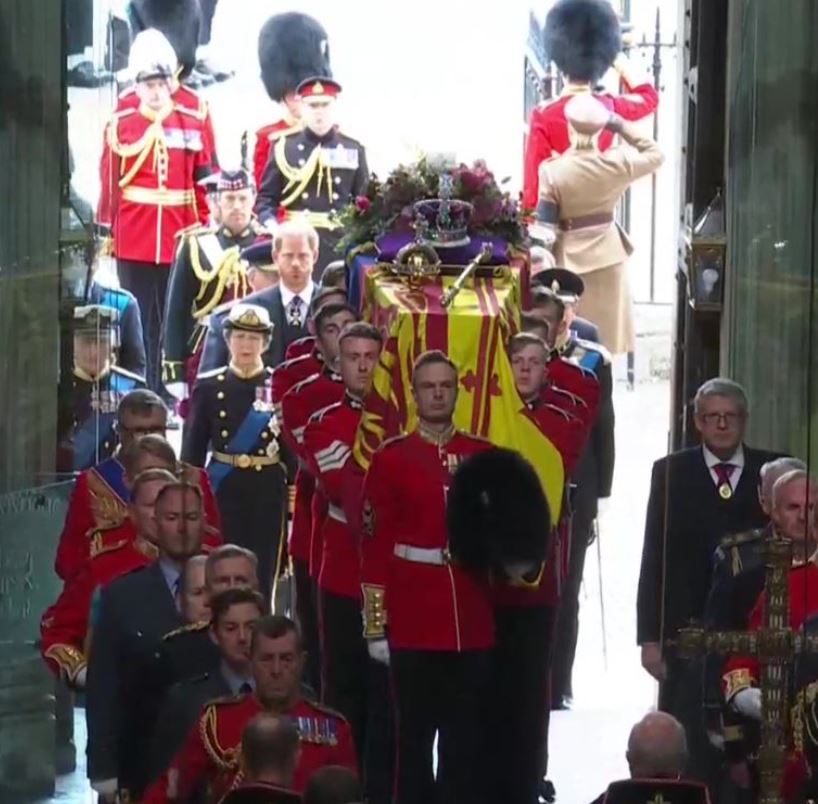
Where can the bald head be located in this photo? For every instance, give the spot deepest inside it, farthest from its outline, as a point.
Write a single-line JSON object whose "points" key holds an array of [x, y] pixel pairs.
{"points": [[657, 747]]}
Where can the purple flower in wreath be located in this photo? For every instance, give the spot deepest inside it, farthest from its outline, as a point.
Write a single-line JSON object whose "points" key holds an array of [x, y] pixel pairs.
{"points": [[362, 204]]}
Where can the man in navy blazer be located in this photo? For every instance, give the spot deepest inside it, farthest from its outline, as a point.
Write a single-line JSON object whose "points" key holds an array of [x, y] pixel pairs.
{"points": [[697, 497], [295, 251]]}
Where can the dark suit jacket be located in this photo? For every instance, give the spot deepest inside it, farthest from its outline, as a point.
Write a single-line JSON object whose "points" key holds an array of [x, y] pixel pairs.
{"points": [[121, 697], [178, 715], [585, 329], [686, 520], [215, 352]]}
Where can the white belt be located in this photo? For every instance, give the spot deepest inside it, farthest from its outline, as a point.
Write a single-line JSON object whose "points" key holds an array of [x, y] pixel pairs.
{"points": [[437, 556], [337, 513]]}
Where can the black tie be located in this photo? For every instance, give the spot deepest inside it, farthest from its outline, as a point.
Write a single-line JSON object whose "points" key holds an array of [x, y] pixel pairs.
{"points": [[245, 688]]}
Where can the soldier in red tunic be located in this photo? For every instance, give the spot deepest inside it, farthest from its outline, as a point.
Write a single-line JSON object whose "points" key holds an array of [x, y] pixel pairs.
{"points": [[350, 681], [114, 551], [424, 614], [525, 612], [583, 39], [153, 156], [291, 47], [297, 405], [212, 753], [101, 494]]}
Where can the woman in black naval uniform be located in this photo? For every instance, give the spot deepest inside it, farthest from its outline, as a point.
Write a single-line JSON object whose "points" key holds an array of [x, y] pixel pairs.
{"points": [[232, 416]]}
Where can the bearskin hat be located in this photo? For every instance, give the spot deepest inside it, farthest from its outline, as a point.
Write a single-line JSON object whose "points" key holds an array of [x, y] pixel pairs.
{"points": [[291, 48], [178, 20], [496, 511], [582, 37]]}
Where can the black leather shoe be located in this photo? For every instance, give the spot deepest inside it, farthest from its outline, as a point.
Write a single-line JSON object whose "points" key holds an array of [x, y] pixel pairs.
{"points": [[562, 703], [547, 794]]}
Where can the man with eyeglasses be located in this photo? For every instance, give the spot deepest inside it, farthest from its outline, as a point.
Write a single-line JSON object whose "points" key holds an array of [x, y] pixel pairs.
{"points": [[697, 497]]}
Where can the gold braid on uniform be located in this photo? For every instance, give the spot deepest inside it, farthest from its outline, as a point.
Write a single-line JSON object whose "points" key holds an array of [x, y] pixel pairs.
{"points": [[229, 272], [152, 141], [299, 178]]}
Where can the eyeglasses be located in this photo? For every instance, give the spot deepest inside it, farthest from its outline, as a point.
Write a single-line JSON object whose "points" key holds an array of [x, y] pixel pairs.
{"points": [[730, 419]]}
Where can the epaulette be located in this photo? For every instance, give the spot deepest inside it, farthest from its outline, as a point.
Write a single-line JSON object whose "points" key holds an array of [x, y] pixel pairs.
{"points": [[349, 140], [574, 399], [283, 132], [186, 629], [129, 374], [591, 346], [205, 375], [565, 415], [194, 228], [319, 414], [301, 384], [198, 114], [736, 539], [287, 364], [324, 709], [118, 115], [388, 442]]}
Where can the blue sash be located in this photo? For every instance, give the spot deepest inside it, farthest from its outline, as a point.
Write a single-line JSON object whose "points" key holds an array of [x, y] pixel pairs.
{"points": [[113, 473], [242, 443], [89, 438]]}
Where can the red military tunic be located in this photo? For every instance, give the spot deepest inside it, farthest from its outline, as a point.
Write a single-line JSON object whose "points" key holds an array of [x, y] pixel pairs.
{"points": [[302, 346], [64, 625], [425, 605], [212, 751], [187, 98], [328, 442], [99, 501], [266, 138], [297, 405], [151, 162], [295, 369], [548, 128]]}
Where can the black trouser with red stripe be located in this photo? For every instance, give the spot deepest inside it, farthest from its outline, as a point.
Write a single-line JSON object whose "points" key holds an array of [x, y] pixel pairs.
{"points": [[149, 283], [444, 693], [518, 718]]}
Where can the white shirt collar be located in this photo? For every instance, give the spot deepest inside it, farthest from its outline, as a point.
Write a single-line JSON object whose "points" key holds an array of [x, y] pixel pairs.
{"points": [[737, 458], [305, 295]]}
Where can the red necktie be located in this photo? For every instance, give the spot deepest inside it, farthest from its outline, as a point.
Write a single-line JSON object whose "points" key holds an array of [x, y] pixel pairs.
{"points": [[724, 471]]}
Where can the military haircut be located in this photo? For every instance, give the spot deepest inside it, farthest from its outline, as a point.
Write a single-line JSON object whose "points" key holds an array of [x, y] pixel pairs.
{"points": [[332, 784], [335, 275], [322, 297], [519, 341], [276, 626], [328, 311], [150, 476], [141, 402], [432, 357], [226, 551], [180, 486], [361, 329], [542, 298], [269, 743], [721, 386], [150, 444], [221, 602]]}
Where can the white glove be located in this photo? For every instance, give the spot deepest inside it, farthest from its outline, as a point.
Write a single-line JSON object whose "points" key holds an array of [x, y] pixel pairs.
{"points": [[544, 233], [747, 702], [105, 787], [379, 650], [271, 224], [178, 390], [79, 680]]}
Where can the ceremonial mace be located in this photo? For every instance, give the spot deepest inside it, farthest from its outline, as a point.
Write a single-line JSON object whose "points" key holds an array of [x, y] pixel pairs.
{"points": [[450, 295]]}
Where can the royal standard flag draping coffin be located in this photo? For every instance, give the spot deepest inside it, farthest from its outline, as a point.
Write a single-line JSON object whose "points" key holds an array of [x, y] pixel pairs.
{"points": [[474, 332]]}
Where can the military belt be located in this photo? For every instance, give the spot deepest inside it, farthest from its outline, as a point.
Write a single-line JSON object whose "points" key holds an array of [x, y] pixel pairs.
{"points": [[337, 513], [436, 556], [245, 461], [318, 220], [159, 197], [586, 221]]}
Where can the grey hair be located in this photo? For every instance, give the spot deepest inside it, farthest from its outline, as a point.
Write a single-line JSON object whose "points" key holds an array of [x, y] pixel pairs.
{"points": [[657, 746], [785, 480], [721, 386], [772, 471]]}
